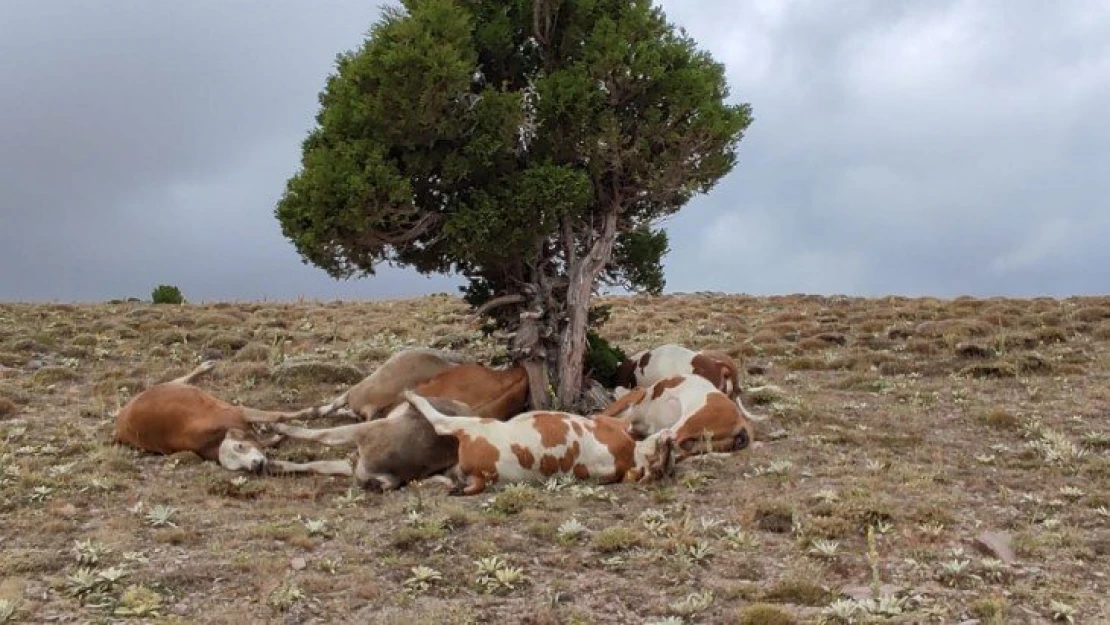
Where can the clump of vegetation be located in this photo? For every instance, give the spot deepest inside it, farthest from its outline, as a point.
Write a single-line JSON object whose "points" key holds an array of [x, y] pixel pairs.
{"points": [[602, 359], [616, 538], [167, 294], [1000, 419], [797, 590], [139, 601], [513, 499], [765, 614], [317, 372], [418, 533], [495, 575], [238, 487], [774, 516], [54, 375]]}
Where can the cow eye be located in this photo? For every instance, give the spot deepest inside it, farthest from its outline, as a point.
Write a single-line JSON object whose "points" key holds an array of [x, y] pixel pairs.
{"points": [[240, 447], [688, 444]]}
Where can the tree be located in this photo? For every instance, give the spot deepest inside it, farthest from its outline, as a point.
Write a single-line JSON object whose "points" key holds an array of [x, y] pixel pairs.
{"points": [[531, 146]]}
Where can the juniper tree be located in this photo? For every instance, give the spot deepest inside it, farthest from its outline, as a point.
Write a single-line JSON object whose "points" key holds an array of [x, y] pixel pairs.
{"points": [[532, 146]]}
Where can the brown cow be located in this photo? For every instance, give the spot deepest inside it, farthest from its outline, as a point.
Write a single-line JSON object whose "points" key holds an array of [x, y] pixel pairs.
{"points": [[177, 416], [700, 416], [539, 444], [491, 393], [647, 367]]}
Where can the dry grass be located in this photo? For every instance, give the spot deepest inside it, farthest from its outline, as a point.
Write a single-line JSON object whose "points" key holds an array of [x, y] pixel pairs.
{"points": [[919, 422]]}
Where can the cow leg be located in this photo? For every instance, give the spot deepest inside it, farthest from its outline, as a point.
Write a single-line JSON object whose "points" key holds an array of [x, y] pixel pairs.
{"points": [[189, 378], [317, 467], [266, 443], [253, 415], [340, 435], [474, 485], [382, 482]]}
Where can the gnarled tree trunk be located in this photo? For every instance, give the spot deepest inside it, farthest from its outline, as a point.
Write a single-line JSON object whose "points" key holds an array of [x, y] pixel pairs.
{"points": [[583, 273]]}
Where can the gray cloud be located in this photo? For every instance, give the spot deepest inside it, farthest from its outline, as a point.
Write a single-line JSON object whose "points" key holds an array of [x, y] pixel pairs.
{"points": [[899, 147], [920, 148]]}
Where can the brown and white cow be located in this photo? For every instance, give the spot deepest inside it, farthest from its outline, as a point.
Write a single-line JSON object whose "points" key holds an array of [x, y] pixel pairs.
{"points": [[647, 367], [177, 416], [489, 392], [390, 452], [690, 407], [539, 444]]}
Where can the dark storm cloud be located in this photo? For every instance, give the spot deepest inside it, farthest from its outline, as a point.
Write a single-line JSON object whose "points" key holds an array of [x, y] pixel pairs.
{"points": [[899, 147]]}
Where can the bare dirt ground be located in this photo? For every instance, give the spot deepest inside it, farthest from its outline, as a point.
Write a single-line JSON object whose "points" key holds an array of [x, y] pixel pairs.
{"points": [[918, 423]]}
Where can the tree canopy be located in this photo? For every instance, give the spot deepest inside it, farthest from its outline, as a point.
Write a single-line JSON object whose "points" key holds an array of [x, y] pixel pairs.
{"points": [[532, 146]]}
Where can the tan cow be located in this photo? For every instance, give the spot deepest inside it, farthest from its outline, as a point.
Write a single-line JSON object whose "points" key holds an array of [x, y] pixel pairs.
{"points": [[491, 393], [390, 452], [700, 416], [177, 416], [539, 444]]}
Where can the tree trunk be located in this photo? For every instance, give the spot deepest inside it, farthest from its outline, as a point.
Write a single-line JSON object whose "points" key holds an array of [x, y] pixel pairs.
{"points": [[572, 350], [530, 352], [583, 273]]}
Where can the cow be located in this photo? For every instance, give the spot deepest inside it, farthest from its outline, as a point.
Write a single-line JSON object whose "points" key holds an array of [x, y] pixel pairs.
{"points": [[647, 367], [539, 444], [491, 393], [177, 416], [390, 452], [701, 417]]}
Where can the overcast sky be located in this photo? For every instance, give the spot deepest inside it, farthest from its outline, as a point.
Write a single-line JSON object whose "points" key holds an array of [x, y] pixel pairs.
{"points": [[919, 148]]}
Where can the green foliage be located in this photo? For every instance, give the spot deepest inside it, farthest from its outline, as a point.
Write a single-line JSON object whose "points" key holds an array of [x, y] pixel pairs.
{"points": [[637, 258], [505, 141], [419, 156], [167, 294], [602, 359]]}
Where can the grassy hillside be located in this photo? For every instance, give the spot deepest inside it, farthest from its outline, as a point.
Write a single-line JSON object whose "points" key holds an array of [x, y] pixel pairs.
{"points": [[928, 422]]}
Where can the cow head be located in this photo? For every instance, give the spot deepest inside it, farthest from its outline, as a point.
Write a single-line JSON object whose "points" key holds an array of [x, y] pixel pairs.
{"points": [[655, 458], [241, 451], [719, 426]]}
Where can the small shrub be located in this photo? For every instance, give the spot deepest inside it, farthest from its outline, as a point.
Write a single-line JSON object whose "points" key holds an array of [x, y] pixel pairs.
{"points": [[318, 372], [765, 614], [513, 499], [167, 294], [774, 517], [1000, 419], [426, 531], [798, 591], [226, 343], [997, 369], [54, 375], [602, 359], [616, 538], [974, 351], [7, 407], [253, 352]]}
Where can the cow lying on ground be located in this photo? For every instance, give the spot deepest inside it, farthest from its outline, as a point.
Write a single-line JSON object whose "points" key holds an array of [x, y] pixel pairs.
{"points": [[647, 367], [490, 393], [539, 444], [701, 417], [177, 416], [390, 452]]}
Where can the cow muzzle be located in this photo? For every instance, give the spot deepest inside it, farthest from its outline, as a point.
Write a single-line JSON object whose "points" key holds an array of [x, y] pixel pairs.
{"points": [[741, 441]]}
